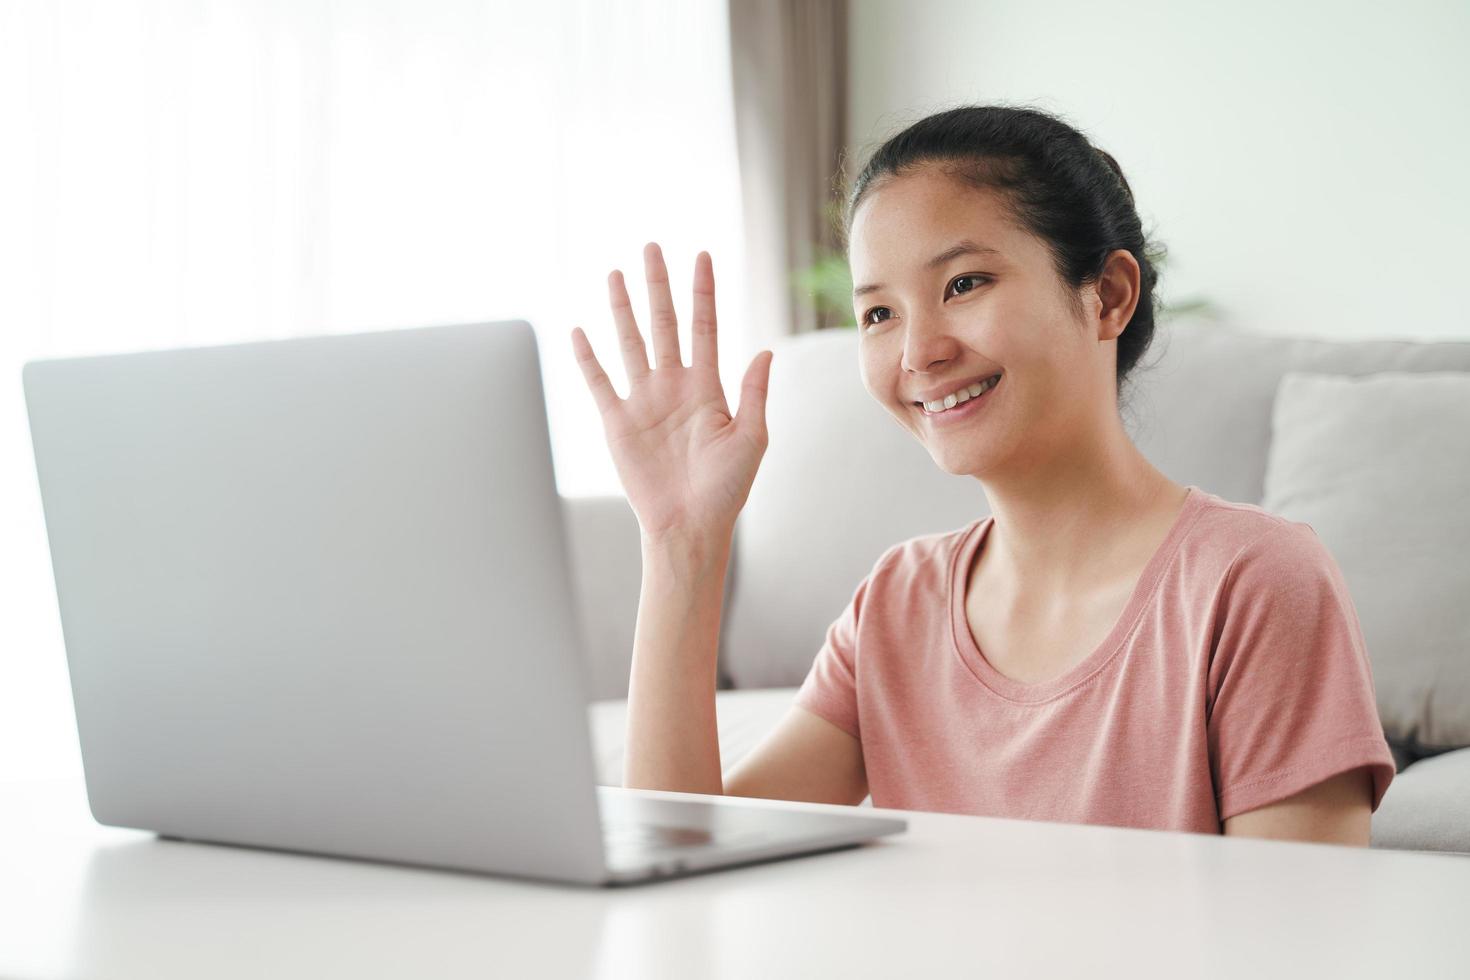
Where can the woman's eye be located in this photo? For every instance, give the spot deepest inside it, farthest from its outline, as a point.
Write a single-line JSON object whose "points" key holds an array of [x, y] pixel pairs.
{"points": [[974, 280], [868, 316]]}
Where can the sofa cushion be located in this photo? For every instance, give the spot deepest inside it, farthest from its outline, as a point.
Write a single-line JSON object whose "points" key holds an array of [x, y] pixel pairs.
{"points": [[1428, 806], [1378, 466], [1201, 401], [743, 719], [605, 552]]}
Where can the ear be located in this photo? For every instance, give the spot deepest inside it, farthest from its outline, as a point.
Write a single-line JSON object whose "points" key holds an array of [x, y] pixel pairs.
{"points": [[1118, 293]]}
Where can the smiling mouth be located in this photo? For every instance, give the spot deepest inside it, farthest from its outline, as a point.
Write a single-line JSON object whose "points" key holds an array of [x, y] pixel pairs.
{"points": [[960, 398]]}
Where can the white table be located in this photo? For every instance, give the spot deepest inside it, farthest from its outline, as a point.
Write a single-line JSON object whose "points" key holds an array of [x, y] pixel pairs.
{"points": [[953, 896]]}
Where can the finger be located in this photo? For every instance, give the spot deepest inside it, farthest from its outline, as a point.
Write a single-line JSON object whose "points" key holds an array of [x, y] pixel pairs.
{"points": [[752, 413], [664, 327], [602, 389], [630, 341], [704, 342]]}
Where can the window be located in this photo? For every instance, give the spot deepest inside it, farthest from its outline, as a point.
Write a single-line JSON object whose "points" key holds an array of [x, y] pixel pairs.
{"points": [[182, 174]]}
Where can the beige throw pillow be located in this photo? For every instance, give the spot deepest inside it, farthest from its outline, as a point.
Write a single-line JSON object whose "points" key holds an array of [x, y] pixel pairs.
{"points": [[1379, 466]]}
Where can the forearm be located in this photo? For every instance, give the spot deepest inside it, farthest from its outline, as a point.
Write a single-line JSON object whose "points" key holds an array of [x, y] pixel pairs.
{"points": [[672, 737]]}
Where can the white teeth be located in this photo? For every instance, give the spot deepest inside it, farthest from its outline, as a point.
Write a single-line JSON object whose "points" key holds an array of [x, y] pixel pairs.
{"points": [[959, 397]]}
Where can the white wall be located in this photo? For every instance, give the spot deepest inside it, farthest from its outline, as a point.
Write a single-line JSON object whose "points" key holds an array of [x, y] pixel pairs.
{"points": [[1304, 162]]}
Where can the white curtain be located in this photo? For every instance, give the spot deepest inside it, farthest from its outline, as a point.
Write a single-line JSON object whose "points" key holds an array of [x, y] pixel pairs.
{"points": [[189, 172]]}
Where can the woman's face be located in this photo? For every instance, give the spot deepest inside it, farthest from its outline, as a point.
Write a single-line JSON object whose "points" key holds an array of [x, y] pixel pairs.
{"points": [[947, 293]]}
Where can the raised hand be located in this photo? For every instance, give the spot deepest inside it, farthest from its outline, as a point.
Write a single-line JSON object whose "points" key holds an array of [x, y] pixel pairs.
{"points": [[686, 464]]}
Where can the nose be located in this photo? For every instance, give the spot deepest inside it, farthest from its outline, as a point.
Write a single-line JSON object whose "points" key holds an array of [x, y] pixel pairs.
{"points": [[927, 344]]}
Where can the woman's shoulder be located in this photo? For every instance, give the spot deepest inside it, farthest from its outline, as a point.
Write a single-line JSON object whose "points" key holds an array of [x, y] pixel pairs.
{"points": [[1229, 538]]}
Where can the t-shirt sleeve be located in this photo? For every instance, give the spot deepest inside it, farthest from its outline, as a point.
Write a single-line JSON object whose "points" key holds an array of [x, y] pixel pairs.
{"points": [[1292, 697], [830, 688]]}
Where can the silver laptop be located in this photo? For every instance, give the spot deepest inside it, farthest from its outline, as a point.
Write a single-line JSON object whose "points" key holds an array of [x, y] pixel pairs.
{"points": [[315, 597]]}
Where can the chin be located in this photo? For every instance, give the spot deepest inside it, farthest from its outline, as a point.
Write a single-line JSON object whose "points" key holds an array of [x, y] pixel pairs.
{"points": [[964, 460], [953, 465]]}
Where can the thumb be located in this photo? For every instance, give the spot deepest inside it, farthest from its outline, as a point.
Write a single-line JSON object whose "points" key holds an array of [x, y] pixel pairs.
{"points": [[752, 412]]}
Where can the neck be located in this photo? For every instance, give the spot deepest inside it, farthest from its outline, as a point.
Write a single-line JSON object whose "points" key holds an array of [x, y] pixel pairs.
{"points": [[1065, 521]]}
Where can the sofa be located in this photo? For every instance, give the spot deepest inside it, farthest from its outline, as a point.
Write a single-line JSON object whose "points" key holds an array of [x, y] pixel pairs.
{"points": [[1366, 441]]}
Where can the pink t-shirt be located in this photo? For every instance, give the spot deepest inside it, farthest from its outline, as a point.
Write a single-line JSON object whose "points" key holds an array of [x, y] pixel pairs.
{"points": [[1235, 677]]}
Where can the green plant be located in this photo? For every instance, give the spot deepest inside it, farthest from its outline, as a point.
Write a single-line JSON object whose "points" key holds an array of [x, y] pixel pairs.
{"points": [[829, 283]]}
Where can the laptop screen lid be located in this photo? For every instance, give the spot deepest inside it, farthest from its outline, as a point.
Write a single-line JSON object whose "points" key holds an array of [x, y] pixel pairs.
{"points": [[315, 596]]}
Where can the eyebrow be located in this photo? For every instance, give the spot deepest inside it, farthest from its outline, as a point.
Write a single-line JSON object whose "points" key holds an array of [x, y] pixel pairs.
{"points": [[963, 247]]}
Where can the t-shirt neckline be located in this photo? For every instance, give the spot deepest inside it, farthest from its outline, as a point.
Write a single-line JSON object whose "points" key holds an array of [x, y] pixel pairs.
{"points": [[1013, 690]]}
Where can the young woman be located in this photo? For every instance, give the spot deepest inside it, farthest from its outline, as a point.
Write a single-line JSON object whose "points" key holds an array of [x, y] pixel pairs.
{"points": [[1108, 646]]}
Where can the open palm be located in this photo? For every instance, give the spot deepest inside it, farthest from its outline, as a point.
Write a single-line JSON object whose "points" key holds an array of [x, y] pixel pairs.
{"points": [[686, 464]]}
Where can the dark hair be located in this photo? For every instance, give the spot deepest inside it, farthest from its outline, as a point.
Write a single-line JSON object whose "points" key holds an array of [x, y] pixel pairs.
{"points": [[1053, 183]]}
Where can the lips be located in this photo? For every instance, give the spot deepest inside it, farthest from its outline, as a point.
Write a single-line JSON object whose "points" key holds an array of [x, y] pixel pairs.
{"points": [[960, 398], [962, 411]]}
